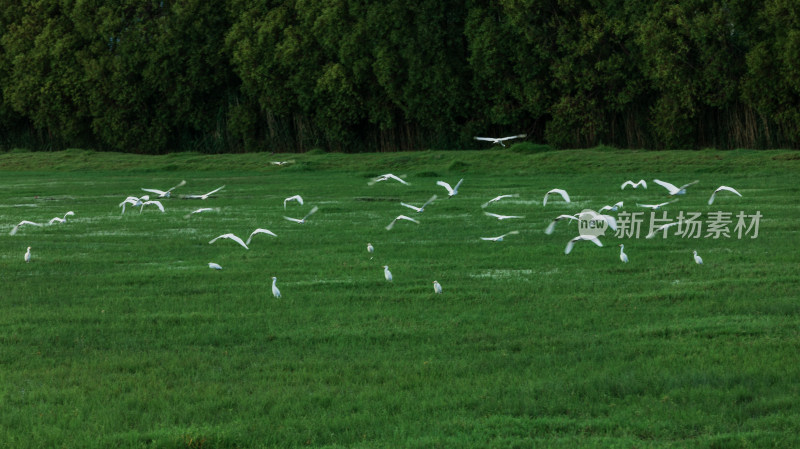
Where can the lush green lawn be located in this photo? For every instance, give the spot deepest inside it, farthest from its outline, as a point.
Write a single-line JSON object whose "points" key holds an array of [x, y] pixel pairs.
{"points": [[117, 334]]}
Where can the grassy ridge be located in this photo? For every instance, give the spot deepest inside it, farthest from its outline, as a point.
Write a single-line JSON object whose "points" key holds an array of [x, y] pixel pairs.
{"points": [[118, 333]]}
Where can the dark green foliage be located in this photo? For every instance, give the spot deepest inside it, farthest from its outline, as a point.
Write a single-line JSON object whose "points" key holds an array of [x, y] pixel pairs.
{"points": [[357, 76]]}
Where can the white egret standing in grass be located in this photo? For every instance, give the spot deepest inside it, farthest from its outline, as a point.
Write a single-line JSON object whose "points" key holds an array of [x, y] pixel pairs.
{"points": [[202, 209], [561, 192], [719, 189], [451, 191], [641, 182], [400, 217], [697, 259], [215, 266], [370, 248], [500, 140], [498, 198], [297, 198], [203, 196], [572, 242], [275, 292], [502, 217], [303, 220], [21, 224], [259, 231], [552, 225], [500, 237], [156, 202], [671, 187], [386, 273], [421, 208], [437, 288], [165, 193], [231, 237], [387, 177], [28, 255], [656, 206], [622, 256]]}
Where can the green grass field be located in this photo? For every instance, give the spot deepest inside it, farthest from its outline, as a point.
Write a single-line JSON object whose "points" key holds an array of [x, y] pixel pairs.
{"points": [[117, 333]]}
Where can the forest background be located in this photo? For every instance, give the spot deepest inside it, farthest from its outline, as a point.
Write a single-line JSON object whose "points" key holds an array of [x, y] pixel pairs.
{"points": [[362, 75]]}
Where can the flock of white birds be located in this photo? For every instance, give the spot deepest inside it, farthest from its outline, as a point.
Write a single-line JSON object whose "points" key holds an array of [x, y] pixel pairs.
{"points": [[672, 190]]}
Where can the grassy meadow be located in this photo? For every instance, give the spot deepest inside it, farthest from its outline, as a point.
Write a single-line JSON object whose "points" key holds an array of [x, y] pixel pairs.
{"points": [[117, 333]]}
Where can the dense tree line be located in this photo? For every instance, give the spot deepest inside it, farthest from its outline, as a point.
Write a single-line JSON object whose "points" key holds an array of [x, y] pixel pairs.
{"points": [[152, 76]]}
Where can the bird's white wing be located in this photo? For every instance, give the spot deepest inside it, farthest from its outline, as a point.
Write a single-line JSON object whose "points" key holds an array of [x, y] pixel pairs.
{"points": [[561, 192], [458, 184], [510, 233], [518, 136], [661, 228], [670, 187], [396, 178], [403, 217], [311, 212], [156, 191], [68, 214], [492, 239], [391, 225], [612, 222], [626, 184], [55, 219], [180, 184], [720, 188], [296, 220], [430, 200], [418, 209], [232, 237], [497, 198], [157, 203], [259, 231], [445, 185], [687, 185], [551, 227], [212, 192], [486, 139]]}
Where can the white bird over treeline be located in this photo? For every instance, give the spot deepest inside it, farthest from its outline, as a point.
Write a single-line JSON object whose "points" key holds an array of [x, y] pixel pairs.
{"points": [[386, 177], [451, 191], [203, 196], [551, 227], [59, 219], [561, 192], [165, 193], [671, 187], [400, 217], [421, 208], [579, 238], [231, 237], [499, 238], [303, 220], [500, 140], [297, 198], [641, 182], [21, 224], [259, 231], [719, 189], [498, 198]]}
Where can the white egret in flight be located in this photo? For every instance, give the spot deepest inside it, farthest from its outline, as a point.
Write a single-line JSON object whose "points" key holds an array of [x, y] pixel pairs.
{"points": [[259, 231], [671, 187], [451, 191], [622, 256], [275, 292], [134, 201], [21, 224], [232, 237], [500, 140], [572, 242], [561, 192], [387, 177], [697, 259], [202, 209], [502, 217], [500, 237], [552, 225], [297, 198], [400, 217], [656, 206], [663, 227], [437, 287], [641, 182], [612, 208], [498, 198], [721, 188], [59, 219], [165, 193], [203, 196], [421, 208], [215, 266], [303, 220], [156, 202]]}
